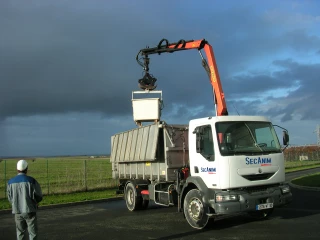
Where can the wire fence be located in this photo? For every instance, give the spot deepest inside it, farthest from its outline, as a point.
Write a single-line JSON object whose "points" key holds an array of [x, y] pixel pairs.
{"points": [[302, 153], [62, 175], [76, 174]]}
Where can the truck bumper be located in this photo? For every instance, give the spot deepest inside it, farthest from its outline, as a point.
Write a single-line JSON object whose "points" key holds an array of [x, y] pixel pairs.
{"points": [[248, 202]]}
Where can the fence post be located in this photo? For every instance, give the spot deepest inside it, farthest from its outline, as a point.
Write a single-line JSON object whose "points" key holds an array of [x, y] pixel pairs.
{"points": [[85, 174], [5, 178], [48, 177]]}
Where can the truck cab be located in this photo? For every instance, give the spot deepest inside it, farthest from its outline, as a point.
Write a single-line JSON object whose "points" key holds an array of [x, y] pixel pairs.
{"points": [[235, 151], [236, 165]]}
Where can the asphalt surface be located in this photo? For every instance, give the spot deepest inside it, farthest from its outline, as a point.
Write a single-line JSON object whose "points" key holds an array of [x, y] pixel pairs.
{"points": [[112, 220]]}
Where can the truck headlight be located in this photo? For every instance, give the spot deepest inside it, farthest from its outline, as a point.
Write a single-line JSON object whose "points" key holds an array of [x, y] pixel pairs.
{"points": [[285, 189], [227, 197]]}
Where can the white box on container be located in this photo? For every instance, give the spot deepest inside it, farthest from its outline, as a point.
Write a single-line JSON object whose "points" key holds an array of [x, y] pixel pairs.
{"points": [[146, 109]]}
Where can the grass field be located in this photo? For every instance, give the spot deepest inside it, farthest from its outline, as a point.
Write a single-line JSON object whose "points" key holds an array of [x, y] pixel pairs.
{"points": [[74, 179], [293, 166], [62, 175], [312, 180]]}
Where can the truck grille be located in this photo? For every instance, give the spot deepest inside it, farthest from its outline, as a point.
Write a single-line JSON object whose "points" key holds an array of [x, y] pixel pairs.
{"points": [[257, 177], [257, 189]]}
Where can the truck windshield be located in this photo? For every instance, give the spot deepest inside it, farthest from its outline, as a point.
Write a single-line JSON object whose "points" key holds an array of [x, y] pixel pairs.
{"points": [[237, 138]]}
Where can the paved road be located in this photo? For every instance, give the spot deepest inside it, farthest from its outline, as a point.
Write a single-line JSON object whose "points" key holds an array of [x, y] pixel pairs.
{"points": [[111, 220]]}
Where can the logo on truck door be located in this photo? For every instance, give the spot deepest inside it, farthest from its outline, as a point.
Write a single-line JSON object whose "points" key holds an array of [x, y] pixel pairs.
{"points": [[258, 160], [208, 170]]}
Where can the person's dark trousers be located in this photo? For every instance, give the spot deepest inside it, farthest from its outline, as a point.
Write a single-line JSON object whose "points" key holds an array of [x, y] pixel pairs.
{"points": [[24, 222]]}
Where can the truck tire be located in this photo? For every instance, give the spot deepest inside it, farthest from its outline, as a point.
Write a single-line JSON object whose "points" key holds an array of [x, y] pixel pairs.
{"points": [[195, 210], [133, 201]]}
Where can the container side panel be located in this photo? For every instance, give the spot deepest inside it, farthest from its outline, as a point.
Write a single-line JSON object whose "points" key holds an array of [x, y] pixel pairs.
{"points": [[147, 170], [119, 146], [128, 147], [177, 158], [153, 139], [144, 170], [114, 164], [144, 142], [139, 144], [114, 142], [176, 149], [115, 148], [133, 145], [123, 146]]}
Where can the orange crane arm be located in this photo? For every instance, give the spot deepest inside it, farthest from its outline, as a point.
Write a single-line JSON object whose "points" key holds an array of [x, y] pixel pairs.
{"points": [[209, 64]]}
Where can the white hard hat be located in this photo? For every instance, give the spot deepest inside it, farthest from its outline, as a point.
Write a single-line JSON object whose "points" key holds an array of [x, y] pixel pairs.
{"points": [[22, 165]]}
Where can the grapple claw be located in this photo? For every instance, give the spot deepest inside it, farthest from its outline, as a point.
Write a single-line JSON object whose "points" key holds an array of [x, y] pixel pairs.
{"points": [[147, 82]]}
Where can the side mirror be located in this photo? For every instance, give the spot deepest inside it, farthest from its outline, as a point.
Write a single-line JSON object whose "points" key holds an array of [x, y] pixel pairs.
{"points": [[199, 145], [199, 139], [285, 138], [198, 130], [229, 139]]}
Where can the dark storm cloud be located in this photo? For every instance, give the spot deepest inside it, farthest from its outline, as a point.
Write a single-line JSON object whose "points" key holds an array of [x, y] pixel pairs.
{"points": [[3, 139], [241, 42], [254, 85], [302, 101], [300, 40], [65, 57]]}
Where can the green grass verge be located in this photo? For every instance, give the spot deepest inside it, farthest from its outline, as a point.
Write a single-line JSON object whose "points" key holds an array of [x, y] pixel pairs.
{"points": [[288, 170], [312, 180], [68, 198], [300, 165], [62, 175]]}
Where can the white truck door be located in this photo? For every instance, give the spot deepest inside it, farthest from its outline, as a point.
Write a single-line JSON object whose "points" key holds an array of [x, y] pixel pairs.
{"points": [[202, 155]]}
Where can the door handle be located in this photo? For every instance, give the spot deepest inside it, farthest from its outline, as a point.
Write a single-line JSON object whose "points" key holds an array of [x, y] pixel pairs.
{"points": [[196, 169]]}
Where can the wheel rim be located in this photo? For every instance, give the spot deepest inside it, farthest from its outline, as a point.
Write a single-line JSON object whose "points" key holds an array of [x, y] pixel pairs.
{"points": [[130, 196], [195, 209]]}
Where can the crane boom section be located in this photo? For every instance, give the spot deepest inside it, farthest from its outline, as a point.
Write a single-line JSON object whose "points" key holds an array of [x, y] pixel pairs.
{"points": [[210, 65]]}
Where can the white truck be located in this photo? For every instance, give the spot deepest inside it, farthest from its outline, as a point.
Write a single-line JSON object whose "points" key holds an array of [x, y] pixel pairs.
{"points": [[213, 166]]}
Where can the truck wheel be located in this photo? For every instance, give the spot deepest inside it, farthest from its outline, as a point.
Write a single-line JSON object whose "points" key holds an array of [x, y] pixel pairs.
{"points": [[133, 201], [194, 209], [262, 214]]}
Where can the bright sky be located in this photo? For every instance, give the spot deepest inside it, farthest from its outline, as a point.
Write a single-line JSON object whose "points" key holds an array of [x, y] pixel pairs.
{"points": [[67, 68]]}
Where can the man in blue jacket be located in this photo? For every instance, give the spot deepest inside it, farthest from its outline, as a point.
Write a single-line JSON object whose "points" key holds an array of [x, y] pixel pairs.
{"points": [[24, 194]]}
